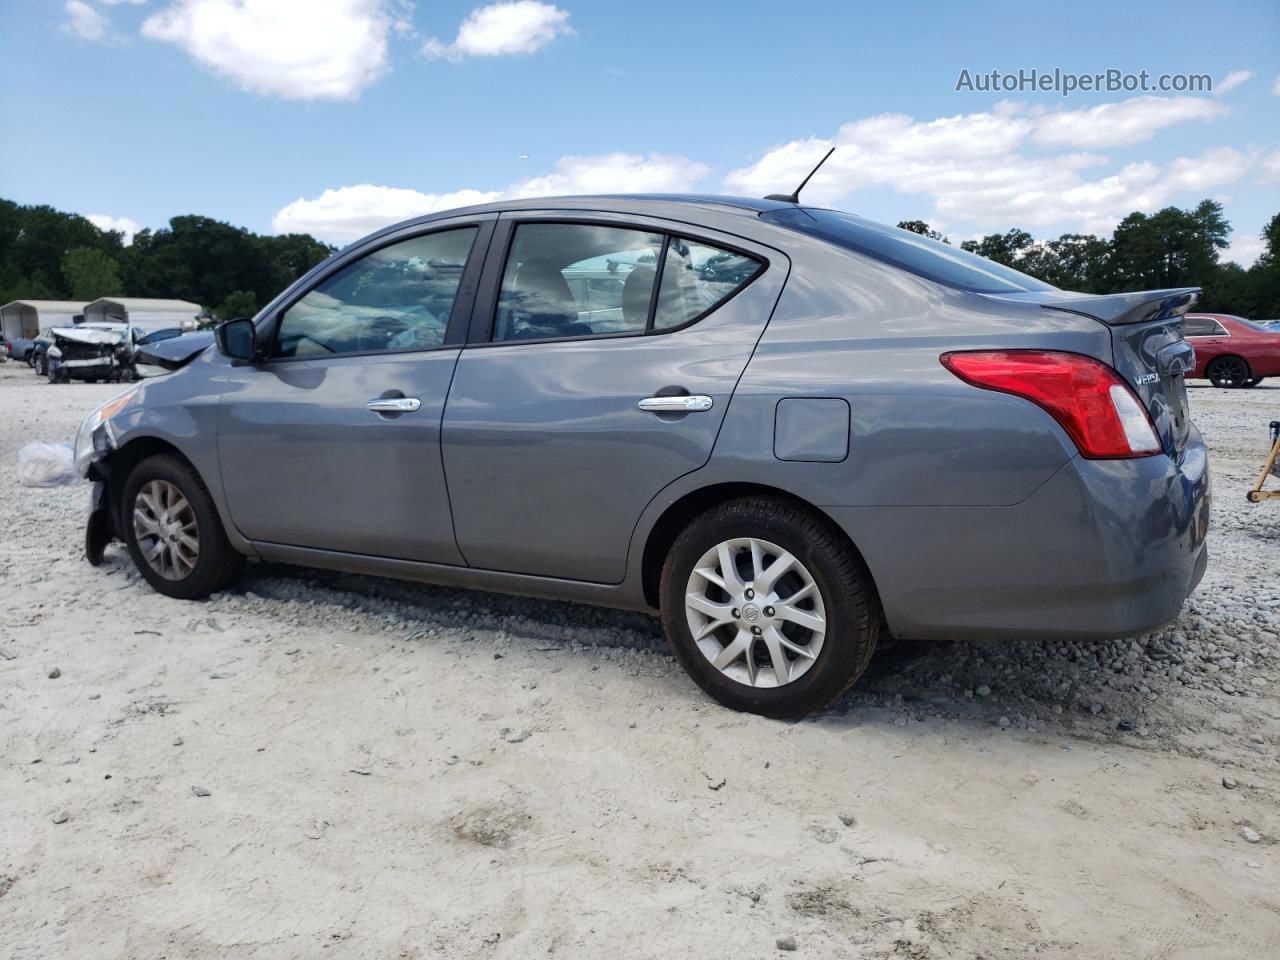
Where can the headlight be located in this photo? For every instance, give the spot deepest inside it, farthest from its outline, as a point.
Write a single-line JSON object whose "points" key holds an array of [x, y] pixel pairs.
{"points": [[95, 435]]}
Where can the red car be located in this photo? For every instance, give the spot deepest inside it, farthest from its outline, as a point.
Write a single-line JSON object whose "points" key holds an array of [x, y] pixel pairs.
{"points": [[1232, 351]]}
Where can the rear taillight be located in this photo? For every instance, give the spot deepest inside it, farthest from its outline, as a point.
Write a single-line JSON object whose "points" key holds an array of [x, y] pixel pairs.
{"points": [[1096, 408]]}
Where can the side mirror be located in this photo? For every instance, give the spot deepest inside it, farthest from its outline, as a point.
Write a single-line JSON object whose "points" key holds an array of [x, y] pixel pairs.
{"points": [[238, 339]]}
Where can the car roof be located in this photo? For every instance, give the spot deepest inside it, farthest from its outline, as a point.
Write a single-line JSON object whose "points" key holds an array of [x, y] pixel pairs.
{"points": [[676, 206]]}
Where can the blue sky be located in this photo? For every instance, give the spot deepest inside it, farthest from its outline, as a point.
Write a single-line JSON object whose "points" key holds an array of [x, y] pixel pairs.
{"points": [[336, 116]]}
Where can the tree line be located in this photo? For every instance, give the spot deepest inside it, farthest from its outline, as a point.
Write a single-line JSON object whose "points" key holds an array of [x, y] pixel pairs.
{"points": [[47, 254], [1169, 248]]}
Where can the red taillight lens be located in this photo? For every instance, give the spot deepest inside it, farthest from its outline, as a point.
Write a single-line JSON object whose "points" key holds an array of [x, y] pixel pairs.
{"points": [[1085, 396]]}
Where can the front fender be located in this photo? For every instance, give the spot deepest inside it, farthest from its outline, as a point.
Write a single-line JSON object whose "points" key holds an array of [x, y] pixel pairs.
{"points": [[177, 413]]}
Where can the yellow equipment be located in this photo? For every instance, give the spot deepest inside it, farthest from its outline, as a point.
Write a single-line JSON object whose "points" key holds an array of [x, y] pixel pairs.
{"points": [[1257, 494]]}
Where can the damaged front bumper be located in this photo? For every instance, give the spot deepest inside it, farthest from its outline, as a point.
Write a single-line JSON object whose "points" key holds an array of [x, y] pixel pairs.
{"points": [[95, 443]]}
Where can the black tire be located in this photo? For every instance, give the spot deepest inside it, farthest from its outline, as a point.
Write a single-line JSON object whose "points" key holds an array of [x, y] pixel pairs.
{"points": [[217, 564], [848, 598], [1229, 372], [1255, 381]]}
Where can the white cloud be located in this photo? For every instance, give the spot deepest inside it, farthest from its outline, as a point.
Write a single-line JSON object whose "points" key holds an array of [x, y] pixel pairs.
{"points": [[1232, 80], [348, 213], [1127, 122], [977, 171], [1270, 167], [84, 21], [613, 173], [296, 49], [1213, 167], [126, 225], [1245, 251], [112, 3], [500, 29]]}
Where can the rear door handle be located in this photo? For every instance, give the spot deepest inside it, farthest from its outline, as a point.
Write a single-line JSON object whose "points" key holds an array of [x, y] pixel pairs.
{"points": [[676, 404], [394, 404]]}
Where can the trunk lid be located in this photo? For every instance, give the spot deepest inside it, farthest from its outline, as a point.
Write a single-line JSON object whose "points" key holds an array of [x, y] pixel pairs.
{"points": [[1148, 349]]}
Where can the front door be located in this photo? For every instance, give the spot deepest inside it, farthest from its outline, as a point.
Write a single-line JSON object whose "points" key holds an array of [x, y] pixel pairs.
{"points": [[332, 441], [566, 418]]}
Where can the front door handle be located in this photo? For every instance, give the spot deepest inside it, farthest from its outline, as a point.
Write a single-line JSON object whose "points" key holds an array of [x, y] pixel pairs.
{"points": [[394, 404], [678, 404]]}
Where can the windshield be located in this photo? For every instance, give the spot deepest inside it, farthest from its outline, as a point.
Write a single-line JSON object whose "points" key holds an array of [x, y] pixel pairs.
{"points": [[920, 255]]}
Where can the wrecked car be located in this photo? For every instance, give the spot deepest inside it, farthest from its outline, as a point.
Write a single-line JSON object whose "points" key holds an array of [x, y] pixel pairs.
{"points": [[795, 429], [90, 351]]}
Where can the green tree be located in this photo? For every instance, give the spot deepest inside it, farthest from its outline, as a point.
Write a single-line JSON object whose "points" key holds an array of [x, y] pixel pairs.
{"points": [[1072, 262], [239, 303], [922, 228], [1169, 248], [1000, 247], [90, 274]]}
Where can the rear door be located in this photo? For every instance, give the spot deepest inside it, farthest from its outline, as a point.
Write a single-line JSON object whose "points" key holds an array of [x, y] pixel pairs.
{"points": [[564, 422], [332, 441]]}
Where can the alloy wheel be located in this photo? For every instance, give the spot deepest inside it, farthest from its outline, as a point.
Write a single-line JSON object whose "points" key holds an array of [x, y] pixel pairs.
{"points": [[1229, 372], [755, 612], [164, 524]]}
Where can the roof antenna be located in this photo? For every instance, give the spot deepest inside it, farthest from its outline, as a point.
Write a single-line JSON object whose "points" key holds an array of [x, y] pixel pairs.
{"points": [[794, 197]]}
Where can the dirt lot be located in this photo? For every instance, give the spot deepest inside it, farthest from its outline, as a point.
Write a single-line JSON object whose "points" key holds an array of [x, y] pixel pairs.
{"points": [[387, 770]]}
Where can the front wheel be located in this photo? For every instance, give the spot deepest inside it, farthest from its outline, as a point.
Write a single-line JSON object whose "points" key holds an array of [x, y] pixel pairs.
{"points": [[1228, 372], [767, 608], [173, 531]]}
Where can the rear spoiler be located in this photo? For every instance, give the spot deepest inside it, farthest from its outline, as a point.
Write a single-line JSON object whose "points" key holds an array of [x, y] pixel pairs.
{"points": [[1118, 309]]}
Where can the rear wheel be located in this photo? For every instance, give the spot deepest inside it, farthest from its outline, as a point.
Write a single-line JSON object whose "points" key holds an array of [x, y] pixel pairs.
{"points": [[767, 608], [1228, 372], [173, 531]]}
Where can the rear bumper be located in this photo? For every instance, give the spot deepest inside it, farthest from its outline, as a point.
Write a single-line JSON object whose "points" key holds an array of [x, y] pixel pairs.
{"points": [[1105, 548]]}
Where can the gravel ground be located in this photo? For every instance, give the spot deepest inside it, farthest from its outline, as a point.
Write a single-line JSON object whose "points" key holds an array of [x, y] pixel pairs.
{"points": [[321, 762]]}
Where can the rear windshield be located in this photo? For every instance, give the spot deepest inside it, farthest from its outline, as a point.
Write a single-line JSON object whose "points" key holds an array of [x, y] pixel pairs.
{"points": [[920, 255], [1251, 325]]}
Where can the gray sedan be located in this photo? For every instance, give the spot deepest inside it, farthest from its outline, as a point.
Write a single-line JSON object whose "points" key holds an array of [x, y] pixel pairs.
{"points": [[785, 429]]}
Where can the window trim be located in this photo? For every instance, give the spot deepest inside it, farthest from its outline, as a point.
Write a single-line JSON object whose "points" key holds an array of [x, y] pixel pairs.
{"points": [[463, 301], [1220, 331], [485, 311]]}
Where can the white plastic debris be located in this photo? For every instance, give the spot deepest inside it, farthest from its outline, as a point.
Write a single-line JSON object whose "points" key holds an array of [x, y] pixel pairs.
{"points": [[46, 465]]}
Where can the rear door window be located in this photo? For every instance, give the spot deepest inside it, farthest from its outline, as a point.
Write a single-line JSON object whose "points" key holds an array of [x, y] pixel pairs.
{"points": [[565, 280], [576, 280], [1202, 327]]}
